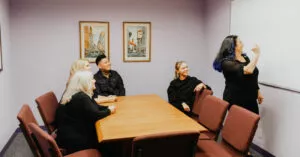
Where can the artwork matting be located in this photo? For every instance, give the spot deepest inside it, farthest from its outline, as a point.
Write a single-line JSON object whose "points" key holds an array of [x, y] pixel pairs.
{"points": [[136, 41], [94, 39]]}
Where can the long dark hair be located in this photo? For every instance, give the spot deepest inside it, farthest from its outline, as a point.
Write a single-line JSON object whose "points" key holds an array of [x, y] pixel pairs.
{"points": [[227, 50]]}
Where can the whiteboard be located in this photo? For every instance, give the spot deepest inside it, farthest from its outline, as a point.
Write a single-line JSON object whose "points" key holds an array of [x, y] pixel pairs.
{"points": [[275, 26]]}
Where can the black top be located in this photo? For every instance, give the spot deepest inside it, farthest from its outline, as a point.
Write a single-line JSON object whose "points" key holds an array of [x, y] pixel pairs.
{"points": [[240, 88], [76, 123], [113, 85], [181, 91]]}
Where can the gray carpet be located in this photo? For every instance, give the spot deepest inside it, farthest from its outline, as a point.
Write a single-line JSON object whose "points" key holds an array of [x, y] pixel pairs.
{"points": [[20, 148]]}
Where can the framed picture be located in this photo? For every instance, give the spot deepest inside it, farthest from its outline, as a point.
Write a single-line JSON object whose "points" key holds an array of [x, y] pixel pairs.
{"points": [[136, 41], [94, 39], [1, 64]]}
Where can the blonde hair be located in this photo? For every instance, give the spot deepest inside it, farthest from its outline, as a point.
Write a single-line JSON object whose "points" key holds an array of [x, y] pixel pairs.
{"points": [[80, 82], [78, 65], [177, 66]]}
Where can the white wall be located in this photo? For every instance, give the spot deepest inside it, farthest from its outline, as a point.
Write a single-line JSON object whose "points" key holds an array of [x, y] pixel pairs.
{"points": [[280, 16], [279, 126], [278, 130], [45, 37], [7, 108]]}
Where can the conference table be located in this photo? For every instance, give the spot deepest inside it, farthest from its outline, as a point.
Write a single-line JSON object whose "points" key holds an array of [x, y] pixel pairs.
{"points": [[142, 115]]}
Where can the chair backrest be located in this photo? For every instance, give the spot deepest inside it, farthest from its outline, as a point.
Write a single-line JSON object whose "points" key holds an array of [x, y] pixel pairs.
{"points": [[199, 100], [212, 113], [239, 128], [47, 105], [25, 116], [176, 144], [47, 143]]}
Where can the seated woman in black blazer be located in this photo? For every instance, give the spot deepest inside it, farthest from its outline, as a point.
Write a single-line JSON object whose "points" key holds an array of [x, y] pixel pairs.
{"points": [[181, 92], [77, 115]]}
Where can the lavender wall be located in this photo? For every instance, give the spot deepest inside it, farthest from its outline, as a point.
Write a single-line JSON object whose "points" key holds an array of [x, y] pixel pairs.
{"points": [[7, 108], [216, 25], [45, 39], [44, 42]]}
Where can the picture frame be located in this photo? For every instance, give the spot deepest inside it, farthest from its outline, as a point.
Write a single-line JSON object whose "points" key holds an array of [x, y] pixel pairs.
{"points": [[94, 39], [136, 41], [1, 61]]}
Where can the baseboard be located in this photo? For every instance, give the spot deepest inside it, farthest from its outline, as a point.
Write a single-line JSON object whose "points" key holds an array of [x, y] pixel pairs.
{"points": [[261, 151], [12, 137], [18, 130]]}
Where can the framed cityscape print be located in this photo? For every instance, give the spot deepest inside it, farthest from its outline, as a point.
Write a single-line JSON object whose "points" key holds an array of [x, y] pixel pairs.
{"points": [[136, 41], [94, 39]]}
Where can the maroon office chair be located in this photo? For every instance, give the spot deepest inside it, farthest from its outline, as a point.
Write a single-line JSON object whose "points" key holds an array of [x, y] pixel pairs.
{"points": [[49, 147], [237, 134], [212, 114], [173, 144], [199, 101], [47, 105], [25, 116]]}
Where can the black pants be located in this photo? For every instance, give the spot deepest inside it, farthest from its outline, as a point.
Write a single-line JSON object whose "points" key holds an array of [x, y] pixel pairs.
{"points": [[249, 105]]}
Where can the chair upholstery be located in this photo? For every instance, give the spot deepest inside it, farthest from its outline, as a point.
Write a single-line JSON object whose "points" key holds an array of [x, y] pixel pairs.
{"points": [[210, 148], [237, 134], [199, 100], [212, 114], [25, 116], [239, 128], [208, 135], [47, 105], [49, 147], [176, 144]]}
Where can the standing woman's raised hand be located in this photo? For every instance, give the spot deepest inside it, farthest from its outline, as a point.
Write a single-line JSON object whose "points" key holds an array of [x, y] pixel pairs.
{"points": [[256, 50]]}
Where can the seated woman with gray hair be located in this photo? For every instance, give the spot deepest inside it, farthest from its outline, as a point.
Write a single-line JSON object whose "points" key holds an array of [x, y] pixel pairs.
{"points": [[84, 65], [78, 113]]}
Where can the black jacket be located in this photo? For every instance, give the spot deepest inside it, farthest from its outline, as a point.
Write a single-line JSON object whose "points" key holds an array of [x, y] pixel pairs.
{"points": [[108, 86], [181, 91], [76, 122]]}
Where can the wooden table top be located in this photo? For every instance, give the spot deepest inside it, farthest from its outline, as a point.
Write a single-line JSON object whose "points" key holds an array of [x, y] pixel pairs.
{"points": [[143, 115]]}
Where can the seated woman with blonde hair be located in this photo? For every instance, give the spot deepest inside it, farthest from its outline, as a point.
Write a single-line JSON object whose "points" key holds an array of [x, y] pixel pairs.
{"points": [[84, 65], [79, 65], [181, 92], [77, 115]]}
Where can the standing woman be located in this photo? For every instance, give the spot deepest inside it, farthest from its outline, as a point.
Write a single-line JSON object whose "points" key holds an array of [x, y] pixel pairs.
{"points": [[181, 92], [241, 74], [77, 115]]}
